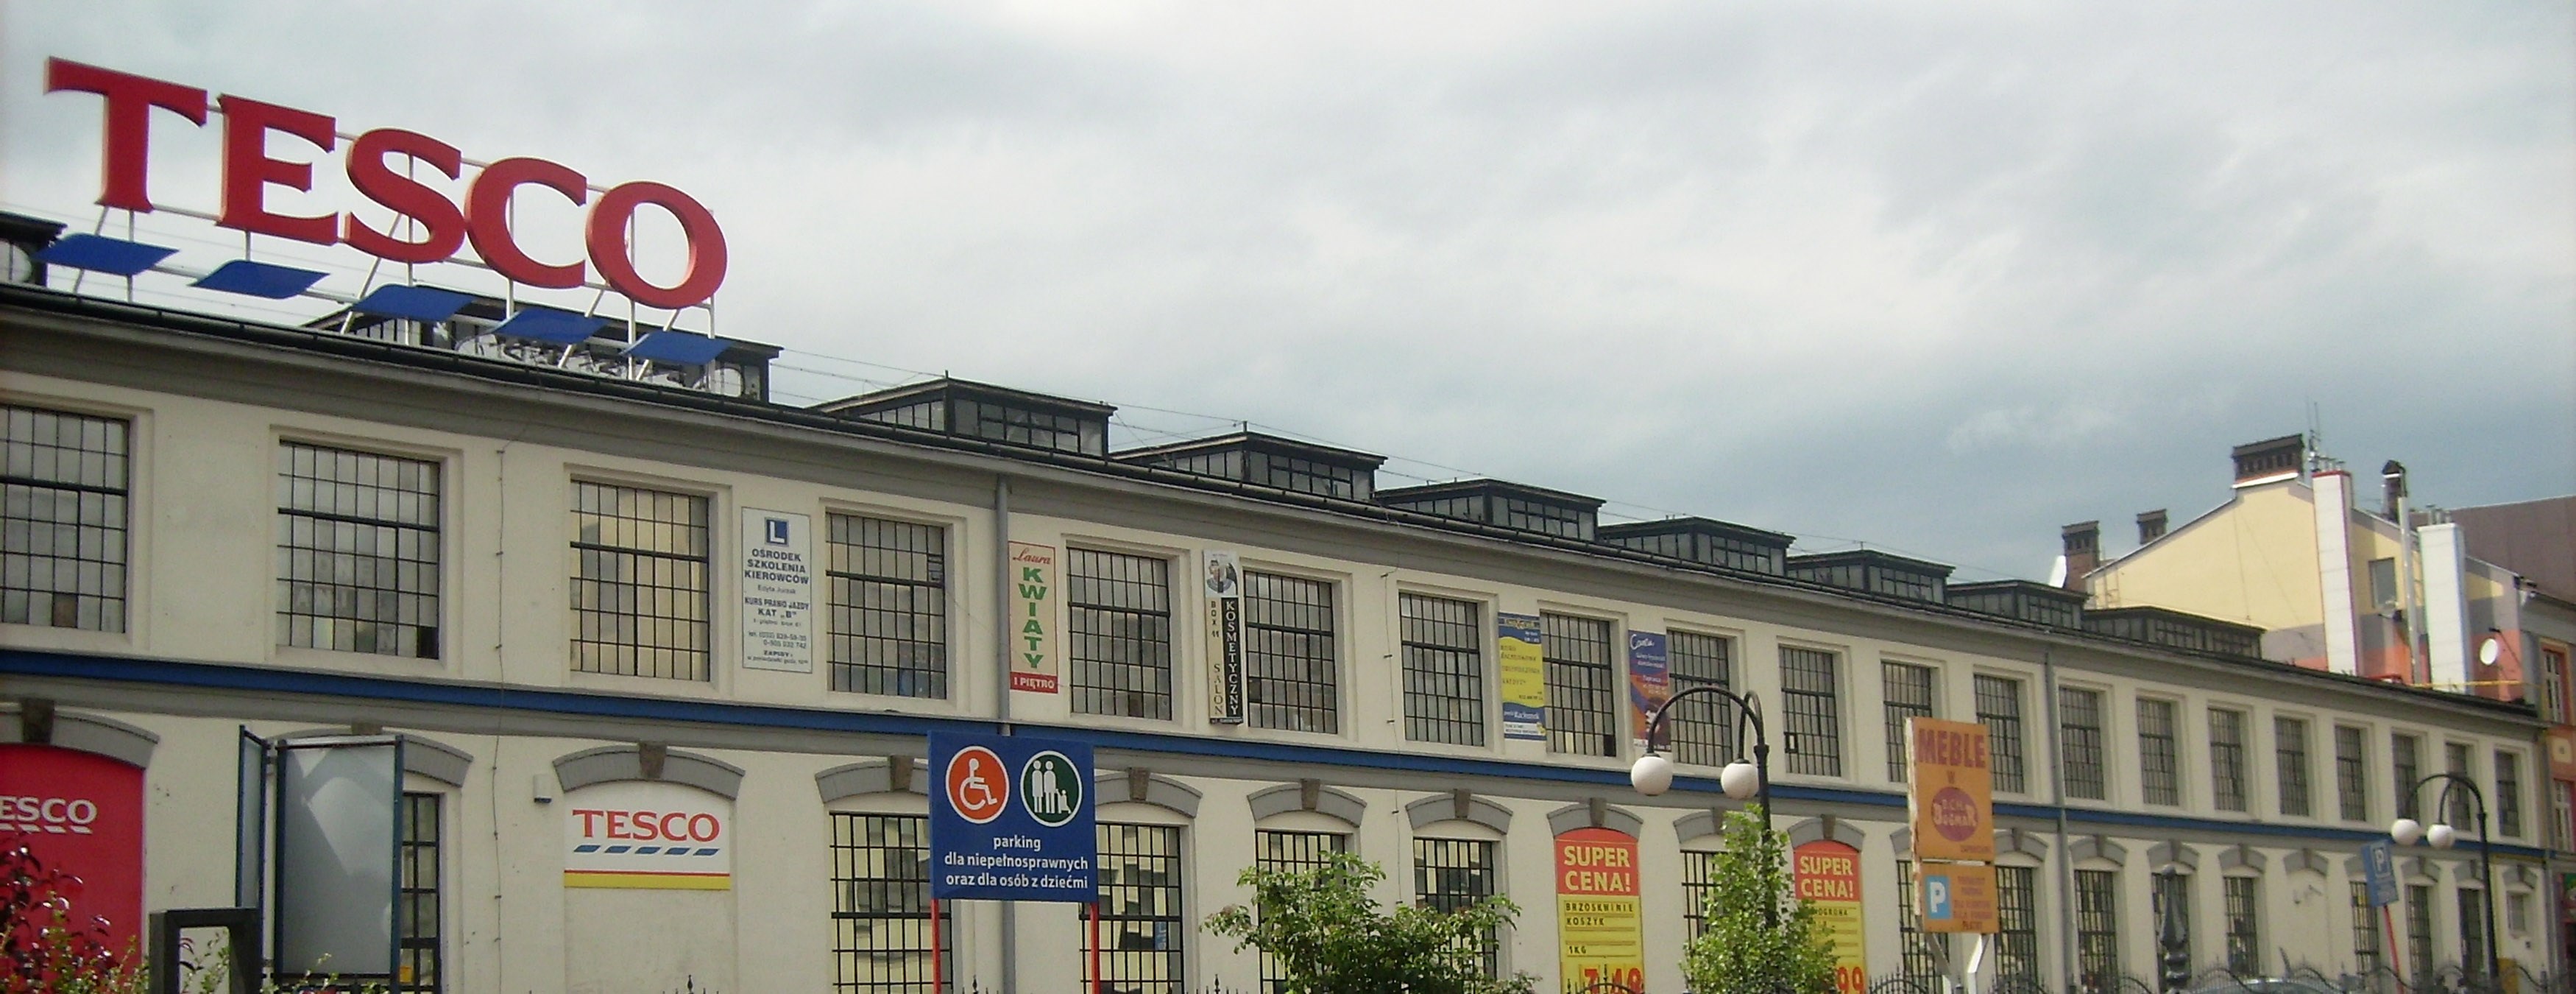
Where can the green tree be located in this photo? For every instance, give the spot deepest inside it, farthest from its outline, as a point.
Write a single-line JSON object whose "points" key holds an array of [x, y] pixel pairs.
{"points": [[1761, 938], [1329, 936]]}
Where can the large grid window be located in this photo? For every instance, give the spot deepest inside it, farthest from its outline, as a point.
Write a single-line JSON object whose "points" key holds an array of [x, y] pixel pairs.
{"points": [[2290, 757], [2367, 959], [1444, 669], [1119, 633], [2419, 931], [1290, 667], [2352, 773], [639, 591], [358, 552], [1582, 686], [1449, 874], [2173, 891], [2097, 931], [2406, 764], [2508, 793], [2473, 931], [2553, 685], [2079, 719], [420, 968], [1906, 692], [888, 595], [2244, 932], [1142, 930], [62, 520], [1702, 731], [2227, 759], [1923, 956], [2159, 765], [1699, 883], [1810, 697], [881, 904], [1999, 709], [1021, 426], [1292, 852], [2017, 922], [2455, 761]]}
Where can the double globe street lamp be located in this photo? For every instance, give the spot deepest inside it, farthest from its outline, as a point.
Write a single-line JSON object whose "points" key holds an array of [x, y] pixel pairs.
{"points": [[2440, 835], [1653, 774]]}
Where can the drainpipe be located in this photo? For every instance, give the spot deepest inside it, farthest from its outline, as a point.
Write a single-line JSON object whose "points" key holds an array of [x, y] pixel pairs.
{"points": [[2057, 798], [1009, 910]]}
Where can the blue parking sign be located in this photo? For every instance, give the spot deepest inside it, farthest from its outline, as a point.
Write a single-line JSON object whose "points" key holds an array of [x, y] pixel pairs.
{"points": [[1011, 819], [2379, 871]]}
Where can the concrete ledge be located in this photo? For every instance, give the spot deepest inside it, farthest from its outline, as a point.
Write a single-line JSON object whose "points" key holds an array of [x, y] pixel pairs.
{"points": [[1459, 805], [2086, 847], [95, 734], [1594, 813], [608, 764], [869, 776], [430, 758], [1822, 829], [1143, 787], [1308, 795]]}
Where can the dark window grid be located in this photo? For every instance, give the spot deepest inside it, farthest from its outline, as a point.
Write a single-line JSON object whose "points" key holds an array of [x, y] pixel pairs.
{"points": [[358, 566], [1290, 666], [1119, 633], [1449, 874], [2473, 930], [2419, 930], [2227, 759], [2097, 931], [1547, 519], [2455, 761], [881, 905], [1582, 686], [2173, 891], [2159, 765], [2508, 793], [1702, 731], [1292, 852], [1308, 476], [1444, 670], [1809, 698], [1699, 881], [2017, 923], [639, 592], [1908, 694], [1920, 953], [2366, 955], [1142, 928], [2244, 936], [2404, 763], [2290, 755], [1020, 426], [63, 520], [888, 606], [2080, 725], [421, 962], [2352, 773], [1999, 709]]}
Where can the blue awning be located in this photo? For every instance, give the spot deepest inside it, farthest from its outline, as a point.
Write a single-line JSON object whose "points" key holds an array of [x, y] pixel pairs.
{"points": [[678, 347], [417, 303], [114, 256], [546, 324], [260, 279]]}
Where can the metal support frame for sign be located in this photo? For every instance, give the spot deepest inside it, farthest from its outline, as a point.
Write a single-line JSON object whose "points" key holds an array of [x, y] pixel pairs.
{"points": [[250, 820], [241, 931], [278, 908]]}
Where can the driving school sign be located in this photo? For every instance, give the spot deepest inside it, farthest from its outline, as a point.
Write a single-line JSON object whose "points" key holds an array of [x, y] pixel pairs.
{"points": [[1950, 791], [1011, 819]]}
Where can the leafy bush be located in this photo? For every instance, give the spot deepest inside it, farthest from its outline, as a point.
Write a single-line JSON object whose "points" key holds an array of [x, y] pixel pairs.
{"points": [[1329, 936], [1760, 938]]}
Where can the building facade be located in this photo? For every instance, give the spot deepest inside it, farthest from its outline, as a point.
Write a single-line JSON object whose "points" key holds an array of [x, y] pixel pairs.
{"points": [[544, 582]]}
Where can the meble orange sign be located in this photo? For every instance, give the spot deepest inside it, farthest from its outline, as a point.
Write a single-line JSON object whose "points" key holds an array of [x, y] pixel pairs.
{"points": [[1951, 790]]}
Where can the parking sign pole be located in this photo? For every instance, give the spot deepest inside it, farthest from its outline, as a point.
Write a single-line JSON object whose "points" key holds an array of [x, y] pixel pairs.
{"points": [[1098, 982], [937, 976]]}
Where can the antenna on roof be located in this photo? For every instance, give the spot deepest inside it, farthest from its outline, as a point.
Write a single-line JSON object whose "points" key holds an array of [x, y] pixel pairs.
{"points": [[2316, 437]]}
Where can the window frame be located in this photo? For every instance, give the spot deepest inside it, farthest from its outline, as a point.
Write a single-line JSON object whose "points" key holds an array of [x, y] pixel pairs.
{"points": [[2293, 768], [1495, 949], [2168, 794], [1809, 762], [2010, 732], [2352, 773], [844, 847], [1077, 692], [846, 677], [1178, 954], [1610, 672], [441, 465], [2230, 775], [713, 655], [1478, 647], [1894, 674], [2099, 732], [1335, 709], [128, 526], [1707, 722]]}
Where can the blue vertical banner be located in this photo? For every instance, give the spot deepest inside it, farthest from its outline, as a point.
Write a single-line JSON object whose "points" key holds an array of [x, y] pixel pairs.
{"points": [[1650, 682], [1011, 820]]}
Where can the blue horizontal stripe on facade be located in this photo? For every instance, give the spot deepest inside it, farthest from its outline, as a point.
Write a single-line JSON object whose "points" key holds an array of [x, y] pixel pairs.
{"points": [[218, 676]]}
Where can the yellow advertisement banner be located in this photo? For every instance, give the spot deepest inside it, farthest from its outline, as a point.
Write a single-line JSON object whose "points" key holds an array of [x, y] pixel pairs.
{"points": [[1522, 669], [1950, 790], [1827, 873], [1600, 926]]}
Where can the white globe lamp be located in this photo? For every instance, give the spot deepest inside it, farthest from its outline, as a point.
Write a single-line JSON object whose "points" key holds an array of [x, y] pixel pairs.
{"points": [[1740, 780], [2406, 831], [2441, 836], [2489, 649], [1652, 775]]}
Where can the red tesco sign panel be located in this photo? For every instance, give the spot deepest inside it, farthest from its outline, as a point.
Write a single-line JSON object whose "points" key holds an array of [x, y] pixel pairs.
{"points": [[80, 813], [443, 226]]}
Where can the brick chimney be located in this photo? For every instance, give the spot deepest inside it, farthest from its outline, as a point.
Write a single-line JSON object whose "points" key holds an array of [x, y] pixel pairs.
{"points": [[2151, 525], [2270, 460], [2083, 551]]}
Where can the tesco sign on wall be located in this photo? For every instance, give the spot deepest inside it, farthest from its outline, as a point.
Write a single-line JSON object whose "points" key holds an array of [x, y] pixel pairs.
{"points": [[379, 165], [82, 814], [639, 834]]}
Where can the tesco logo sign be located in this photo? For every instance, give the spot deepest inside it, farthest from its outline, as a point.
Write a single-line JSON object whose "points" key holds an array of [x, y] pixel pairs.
{"points": [[58, 815], [440, 226], [649, 826]]}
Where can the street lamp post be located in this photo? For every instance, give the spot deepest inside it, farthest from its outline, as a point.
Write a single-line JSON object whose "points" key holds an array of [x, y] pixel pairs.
{"points": [[1653, 774], [2442, 836]]}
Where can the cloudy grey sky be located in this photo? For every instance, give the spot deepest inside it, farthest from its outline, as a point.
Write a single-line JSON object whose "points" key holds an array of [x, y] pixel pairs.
{"points": [[1940, 277]]}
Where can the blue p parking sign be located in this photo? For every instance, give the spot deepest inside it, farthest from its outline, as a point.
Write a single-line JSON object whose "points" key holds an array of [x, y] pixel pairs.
{"points": [[1011, 820], [2379, 871]]}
